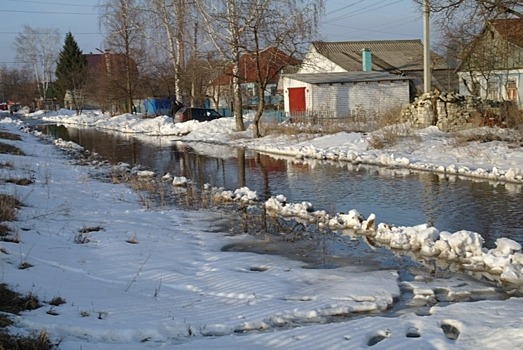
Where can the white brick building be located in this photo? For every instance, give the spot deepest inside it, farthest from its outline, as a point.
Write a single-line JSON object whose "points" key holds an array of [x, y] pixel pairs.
{"points": [[337, 95], [339, 78]]}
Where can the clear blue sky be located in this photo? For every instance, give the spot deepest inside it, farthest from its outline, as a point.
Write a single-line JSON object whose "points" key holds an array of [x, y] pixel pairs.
{"points": [[345, 20], [354, 20]]}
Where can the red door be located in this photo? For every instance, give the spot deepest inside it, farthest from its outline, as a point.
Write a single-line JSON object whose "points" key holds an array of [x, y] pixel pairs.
{"points": [[297, 99]]}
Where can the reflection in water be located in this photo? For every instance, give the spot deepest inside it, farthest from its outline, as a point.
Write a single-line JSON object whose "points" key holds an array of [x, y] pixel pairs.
{"points": [[396, 196]]}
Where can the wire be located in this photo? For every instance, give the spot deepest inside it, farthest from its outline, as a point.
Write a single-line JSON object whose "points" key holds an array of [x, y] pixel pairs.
{"points": [[51, 3], [363, 10], [52, 12], [370, 30], [45, 33], [343, 7]]}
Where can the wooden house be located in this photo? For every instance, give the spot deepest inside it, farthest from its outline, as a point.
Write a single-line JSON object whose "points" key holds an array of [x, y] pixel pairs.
{"points": [[492, 67]]}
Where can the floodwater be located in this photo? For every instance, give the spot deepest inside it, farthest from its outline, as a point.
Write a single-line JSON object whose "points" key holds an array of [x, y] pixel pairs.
{"points": [[396, 196]]}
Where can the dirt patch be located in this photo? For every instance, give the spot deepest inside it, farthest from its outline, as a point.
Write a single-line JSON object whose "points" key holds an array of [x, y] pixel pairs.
{"points": [[10, 149], [20, 182], [9, 136], [13, 303]]}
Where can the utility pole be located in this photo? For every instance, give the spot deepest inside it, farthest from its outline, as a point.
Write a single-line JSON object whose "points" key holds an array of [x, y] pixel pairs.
{"points": [[426, 47]]}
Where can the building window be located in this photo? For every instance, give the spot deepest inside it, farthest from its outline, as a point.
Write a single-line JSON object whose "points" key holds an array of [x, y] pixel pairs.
{"points": [[512, 90], [492, 90]]}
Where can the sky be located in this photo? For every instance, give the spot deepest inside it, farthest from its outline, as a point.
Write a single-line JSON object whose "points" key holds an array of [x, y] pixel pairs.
{"points": [[155, 276], [344, 20], [80, 17]]}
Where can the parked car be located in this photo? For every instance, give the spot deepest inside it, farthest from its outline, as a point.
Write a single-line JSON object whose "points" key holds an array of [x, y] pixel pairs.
{"points": [[199, 114]]}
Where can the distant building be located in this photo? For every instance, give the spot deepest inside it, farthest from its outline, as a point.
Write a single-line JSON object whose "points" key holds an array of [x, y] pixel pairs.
{"points": [[272, 62], [105, 73], [337, 79], [399, 57], [337, 95], [493, 65]]}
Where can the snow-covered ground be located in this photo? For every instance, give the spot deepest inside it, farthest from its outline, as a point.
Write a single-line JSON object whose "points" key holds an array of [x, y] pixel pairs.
{"points": [[139, 278]]}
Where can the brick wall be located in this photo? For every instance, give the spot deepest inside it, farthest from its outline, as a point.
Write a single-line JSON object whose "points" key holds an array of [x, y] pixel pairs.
{"points": [[340, 100], [378, 97]]}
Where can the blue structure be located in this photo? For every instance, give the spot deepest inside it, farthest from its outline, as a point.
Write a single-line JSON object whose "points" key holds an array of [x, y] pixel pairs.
{"points": [[158, 105]]}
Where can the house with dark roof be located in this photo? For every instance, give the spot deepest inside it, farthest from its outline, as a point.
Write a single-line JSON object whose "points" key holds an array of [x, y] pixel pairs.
{"points": [[341, 78], [271, 60], [106, 74], [492, 66], [400, 57]]}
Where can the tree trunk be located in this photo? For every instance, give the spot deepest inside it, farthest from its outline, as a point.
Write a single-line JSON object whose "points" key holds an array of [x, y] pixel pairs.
{"points": [[180, 47], [260, 106], [237, 94]]}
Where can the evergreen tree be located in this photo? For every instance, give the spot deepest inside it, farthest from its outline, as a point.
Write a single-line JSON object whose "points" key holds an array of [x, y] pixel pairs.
{"points": [[71, 73]]}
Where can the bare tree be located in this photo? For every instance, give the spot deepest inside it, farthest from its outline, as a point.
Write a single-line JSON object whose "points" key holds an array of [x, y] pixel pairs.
{"points": [[283, 26], [226, 22], [169, 33], [463, 19], [492, 60], [16, 85], [236, 27], [463, 24], [122, 20], [39, 48], [482, 8]]}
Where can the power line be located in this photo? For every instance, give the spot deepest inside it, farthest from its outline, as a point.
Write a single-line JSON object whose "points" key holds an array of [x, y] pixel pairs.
{"points": [[52, 12], [344, 7], [51, 3], [359, 29], [363, 10], [45, 33]]}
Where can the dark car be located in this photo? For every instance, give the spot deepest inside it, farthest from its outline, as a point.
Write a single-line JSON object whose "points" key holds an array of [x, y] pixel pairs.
{"points": [[199, 114]]}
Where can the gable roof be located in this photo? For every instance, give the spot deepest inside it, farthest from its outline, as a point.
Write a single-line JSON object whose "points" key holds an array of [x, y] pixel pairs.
{"points": [[511, 29], [108, 63], [394, 56], [483, 49], [272, 61]]}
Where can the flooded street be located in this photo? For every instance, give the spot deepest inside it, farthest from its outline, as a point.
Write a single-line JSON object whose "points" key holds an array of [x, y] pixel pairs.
{"points": [[396, 196]]}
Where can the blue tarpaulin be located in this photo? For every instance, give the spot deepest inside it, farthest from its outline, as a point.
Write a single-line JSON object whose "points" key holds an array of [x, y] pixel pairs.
{"points": [[158, 105]]}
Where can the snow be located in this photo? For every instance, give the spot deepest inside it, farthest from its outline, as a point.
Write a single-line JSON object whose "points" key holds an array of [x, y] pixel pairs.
{"points": [[136, 278]]}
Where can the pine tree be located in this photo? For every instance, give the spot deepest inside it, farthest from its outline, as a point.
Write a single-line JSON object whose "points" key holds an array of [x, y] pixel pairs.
{"points": [[71, 72]]}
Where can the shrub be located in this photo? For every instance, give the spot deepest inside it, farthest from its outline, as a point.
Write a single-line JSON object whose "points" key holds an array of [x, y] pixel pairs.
{"points": [[57, 301], [10, 149], [8, 206]]}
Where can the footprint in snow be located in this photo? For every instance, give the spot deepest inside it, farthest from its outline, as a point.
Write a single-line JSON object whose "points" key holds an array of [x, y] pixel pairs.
{"points": [[378, 337], [451, 329], [412, 332]]}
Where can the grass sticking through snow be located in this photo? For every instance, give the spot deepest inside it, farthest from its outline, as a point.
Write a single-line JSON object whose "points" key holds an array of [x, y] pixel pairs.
{"points": [[13, 303]]}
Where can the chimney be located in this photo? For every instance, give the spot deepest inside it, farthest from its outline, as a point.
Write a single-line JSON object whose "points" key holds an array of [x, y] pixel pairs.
{"points": [[366, 60]]}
